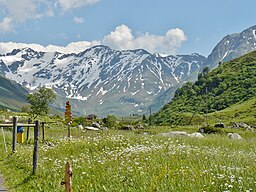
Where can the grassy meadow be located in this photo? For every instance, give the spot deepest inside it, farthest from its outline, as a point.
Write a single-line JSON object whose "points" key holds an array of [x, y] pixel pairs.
{"points": [[133, 161]]}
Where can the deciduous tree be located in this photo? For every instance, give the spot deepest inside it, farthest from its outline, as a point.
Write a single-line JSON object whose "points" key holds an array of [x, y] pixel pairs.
{"points": [[39, 102]]}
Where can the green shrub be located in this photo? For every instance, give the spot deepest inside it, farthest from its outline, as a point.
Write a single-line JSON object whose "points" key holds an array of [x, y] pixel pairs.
{"points": [[110, 121]]}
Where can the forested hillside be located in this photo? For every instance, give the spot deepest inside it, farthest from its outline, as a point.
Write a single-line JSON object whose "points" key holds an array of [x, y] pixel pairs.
{"points": [[228, 84]]}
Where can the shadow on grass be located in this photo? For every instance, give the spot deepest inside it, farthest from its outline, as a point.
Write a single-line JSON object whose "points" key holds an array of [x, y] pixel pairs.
{"points": [[25, 181]]}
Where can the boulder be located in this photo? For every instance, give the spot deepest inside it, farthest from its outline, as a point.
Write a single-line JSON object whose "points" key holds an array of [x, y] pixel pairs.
{"points": [[250, 129], [127, 127], [219, 125], [174, 133], [201, 130], [139, 126], [95, 124], [239, 125], [104, 128], [196, 134], [234, 136], [80, 126], [92, 128]]}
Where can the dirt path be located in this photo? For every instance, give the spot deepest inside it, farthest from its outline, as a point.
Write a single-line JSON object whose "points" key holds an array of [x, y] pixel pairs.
{"points": [[1, 184]]}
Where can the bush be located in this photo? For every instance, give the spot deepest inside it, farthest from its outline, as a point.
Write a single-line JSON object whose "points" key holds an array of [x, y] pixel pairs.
{"points": [[110, 121]]}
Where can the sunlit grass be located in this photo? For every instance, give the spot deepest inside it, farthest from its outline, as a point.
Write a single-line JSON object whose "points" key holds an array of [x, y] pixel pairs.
{"points": [[133, 161]]}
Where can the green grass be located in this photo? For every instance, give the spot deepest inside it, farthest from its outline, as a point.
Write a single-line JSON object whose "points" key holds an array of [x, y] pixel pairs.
{"points": [[229, 84], [133, 161], [240, 112]]}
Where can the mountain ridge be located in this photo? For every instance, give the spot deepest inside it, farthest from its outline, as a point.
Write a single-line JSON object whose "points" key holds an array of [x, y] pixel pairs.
{"points": [[111, 80], [100, 74], [233, 46]]}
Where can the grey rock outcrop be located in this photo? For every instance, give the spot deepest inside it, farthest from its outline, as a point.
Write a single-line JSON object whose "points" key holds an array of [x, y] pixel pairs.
{"points": [[234, 136], [196, 134]]}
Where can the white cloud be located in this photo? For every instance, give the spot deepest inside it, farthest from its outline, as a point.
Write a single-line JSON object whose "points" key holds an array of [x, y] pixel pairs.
{"points": [[6, 25], [17, 11], [78, 20], [122, 38], [20, 10], [74, 47], [72, 4]]}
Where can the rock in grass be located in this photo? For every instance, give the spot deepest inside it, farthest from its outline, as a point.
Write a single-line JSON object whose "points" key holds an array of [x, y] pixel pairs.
{"points": [[250, 129], [104, 128], [139, 126], [174, 133], [220, 125], [239, 125], [182, 133], [92, 128], [80, 127], [127, 127], [196, 134], [96, 125], [234, 136]]}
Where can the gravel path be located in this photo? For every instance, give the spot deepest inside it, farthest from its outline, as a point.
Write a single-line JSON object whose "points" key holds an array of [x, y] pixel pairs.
{"points": [[1, 184]]}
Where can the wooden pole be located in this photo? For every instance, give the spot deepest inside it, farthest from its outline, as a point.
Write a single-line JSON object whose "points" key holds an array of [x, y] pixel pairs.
{"points": [[29, 121], [206, 97], [43, 123], [36, 144], [14, 133], [68, 180], [150, 120], [68, 130], [195, 111]]}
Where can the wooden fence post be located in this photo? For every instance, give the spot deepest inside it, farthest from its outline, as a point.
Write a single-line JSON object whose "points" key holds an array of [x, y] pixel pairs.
{"points": [[36, 144], [68, 178], [29, 121], [43, 123], [69, 130], [14, 133]]}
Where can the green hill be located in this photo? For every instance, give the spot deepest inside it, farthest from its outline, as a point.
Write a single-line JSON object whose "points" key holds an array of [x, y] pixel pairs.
{"points": [[241, 112], [12, 95], [230, 83]]}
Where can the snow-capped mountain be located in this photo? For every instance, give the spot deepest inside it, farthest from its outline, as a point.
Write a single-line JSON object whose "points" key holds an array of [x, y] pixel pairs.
{"points": [[233, 46], [100, 80]]}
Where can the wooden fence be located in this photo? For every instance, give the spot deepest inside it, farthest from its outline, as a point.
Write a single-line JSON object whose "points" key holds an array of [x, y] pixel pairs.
{"points": [[36, 126]]}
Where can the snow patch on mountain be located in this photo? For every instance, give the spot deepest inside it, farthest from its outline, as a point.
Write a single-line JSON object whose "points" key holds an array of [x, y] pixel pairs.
{"points": [[100, 75]]}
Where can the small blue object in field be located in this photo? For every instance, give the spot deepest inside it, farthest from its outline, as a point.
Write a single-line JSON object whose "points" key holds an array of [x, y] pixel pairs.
{"points": [[20, 129]]}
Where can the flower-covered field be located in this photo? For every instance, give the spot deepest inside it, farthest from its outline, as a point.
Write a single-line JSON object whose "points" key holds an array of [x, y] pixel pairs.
{"points": [[133, 161]]}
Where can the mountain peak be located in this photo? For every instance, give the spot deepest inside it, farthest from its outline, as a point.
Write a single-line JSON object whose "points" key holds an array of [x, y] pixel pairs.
{"points": [[101, 80], [159, 55], [233, 46]]}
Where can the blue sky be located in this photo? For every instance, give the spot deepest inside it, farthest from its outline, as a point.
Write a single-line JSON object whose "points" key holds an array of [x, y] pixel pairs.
{"points": [[165, 26]]}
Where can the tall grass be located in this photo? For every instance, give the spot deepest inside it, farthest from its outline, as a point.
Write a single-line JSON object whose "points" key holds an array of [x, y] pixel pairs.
{"points": [[128, 161]]}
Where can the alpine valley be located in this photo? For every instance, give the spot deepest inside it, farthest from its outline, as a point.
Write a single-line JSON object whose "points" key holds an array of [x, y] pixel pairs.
{"points": [[104, 81]]}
